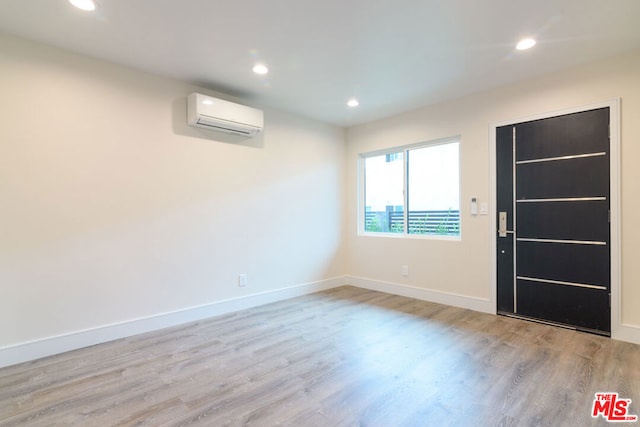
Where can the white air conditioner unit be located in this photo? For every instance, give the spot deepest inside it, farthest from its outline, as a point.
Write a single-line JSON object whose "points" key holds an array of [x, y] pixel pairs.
{"points": [[223, 116]]}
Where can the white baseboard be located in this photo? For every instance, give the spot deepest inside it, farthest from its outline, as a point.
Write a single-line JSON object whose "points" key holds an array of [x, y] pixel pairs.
{"points": [[49, 346], [628, 333], [456, 300]]}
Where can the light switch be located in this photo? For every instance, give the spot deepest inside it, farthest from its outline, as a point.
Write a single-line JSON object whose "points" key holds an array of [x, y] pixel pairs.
{"points": [[484, 208]]}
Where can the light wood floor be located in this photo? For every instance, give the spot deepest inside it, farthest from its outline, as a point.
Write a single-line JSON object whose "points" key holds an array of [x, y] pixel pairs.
{"points": [[345, 357]]}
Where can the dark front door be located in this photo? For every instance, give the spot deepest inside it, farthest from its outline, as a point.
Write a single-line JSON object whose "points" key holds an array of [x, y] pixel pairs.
{"points": [[553, 204]]}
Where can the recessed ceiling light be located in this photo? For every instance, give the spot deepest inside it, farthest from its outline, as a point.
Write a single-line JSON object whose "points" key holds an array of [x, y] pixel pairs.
{"points": [[87, 5], [353, 103], [525, 44], [260, 69]]}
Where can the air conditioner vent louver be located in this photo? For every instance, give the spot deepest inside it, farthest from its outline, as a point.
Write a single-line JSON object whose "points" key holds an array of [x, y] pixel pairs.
{"points": [[223, 116], [227, 126]]}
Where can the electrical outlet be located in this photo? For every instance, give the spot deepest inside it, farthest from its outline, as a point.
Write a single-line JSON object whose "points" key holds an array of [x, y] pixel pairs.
{"points": [[405, 270], [242, 280]]}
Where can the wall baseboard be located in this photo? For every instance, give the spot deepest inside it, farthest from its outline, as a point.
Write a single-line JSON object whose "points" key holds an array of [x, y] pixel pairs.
{"points": [[49, 346], [628, 333], [456, 300]]}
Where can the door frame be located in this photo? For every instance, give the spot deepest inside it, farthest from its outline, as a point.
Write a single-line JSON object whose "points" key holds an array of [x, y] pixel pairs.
{"points": [[614, 158]]}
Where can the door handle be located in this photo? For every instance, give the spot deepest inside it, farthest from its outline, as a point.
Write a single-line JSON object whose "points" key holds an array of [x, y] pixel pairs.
{"points": [[502, 224]]}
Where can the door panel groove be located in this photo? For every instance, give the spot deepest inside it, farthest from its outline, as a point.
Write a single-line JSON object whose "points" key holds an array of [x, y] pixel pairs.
{"points": [[552, 159], [564, 199], [571, 242], [559, 282]]}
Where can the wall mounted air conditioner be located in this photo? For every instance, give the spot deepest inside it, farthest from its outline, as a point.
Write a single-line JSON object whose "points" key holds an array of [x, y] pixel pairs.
{"points": [[223, 116]]}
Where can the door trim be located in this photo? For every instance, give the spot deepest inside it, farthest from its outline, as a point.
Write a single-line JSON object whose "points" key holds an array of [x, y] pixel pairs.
{"points": [[614, 141]]}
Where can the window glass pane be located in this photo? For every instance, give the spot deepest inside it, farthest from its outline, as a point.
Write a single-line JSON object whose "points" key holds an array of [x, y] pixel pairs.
{"points": [[433, 190], [383, 188]]}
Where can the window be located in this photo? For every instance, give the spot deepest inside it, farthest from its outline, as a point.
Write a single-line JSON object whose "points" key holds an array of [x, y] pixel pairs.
{"points": [[413, 190]]}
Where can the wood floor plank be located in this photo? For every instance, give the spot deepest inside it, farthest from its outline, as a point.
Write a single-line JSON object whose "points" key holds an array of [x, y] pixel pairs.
{"points": [[343, 357]]}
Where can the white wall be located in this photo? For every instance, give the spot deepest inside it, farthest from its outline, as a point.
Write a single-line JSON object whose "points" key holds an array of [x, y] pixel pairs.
{"points": [[112, 209], [447, 269]]}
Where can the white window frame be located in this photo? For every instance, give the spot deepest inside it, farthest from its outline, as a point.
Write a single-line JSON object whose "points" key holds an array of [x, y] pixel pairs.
{"points": [[405, 149]]}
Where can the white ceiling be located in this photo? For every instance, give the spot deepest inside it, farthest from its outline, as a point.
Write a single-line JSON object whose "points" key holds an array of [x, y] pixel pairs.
{"points": [[393, 56]]}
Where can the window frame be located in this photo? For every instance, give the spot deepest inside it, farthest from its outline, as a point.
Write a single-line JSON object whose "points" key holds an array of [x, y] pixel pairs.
{"points": [[405, 150]]}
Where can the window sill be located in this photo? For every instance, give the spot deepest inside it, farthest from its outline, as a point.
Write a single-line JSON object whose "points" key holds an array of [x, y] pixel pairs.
{"points": [[440, 237]]}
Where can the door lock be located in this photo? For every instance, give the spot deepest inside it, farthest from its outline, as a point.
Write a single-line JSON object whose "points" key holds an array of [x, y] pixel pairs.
{"points": [[502, 224]]}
